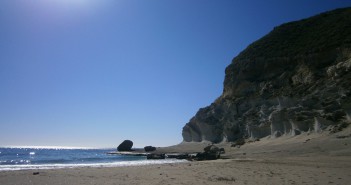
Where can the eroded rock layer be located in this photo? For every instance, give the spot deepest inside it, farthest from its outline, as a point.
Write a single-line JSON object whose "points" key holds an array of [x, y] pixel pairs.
{"points": [[295, 79]]}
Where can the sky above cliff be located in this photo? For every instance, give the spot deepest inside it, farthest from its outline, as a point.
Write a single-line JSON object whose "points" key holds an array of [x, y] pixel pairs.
{"points": [[95, 72]]}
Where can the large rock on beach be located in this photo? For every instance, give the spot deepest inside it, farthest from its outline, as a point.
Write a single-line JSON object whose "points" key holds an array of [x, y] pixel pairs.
{"points": [[295, 79], [126, 145], [211, 152], [211, 149]]}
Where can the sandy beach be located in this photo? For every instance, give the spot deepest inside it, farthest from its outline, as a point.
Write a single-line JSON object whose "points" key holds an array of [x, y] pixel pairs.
{"points": [[240, 171], [305, 159]]}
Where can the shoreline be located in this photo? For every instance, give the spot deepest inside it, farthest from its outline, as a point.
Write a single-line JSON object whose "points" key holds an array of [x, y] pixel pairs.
{"points": [[92, 165], [305, 159]]}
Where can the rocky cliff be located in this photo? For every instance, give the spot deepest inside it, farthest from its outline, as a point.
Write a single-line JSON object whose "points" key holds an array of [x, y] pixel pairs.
{"points": [[295, 79]]}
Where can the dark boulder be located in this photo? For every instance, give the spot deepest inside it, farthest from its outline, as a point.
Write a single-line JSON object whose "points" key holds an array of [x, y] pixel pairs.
{"points": [[207, 156], [126, 145], [211, 149], [149, 148], [211, 153]]}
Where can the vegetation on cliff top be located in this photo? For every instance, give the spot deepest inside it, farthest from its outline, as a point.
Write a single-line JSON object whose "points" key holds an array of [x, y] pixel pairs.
{"points": [[320, 33]]}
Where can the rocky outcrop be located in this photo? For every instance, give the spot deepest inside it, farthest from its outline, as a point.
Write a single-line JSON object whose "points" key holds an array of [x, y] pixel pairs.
{"points": [[211, 149], [149, 148], [126, 145], [295, 79], [211, 152], [156, 156]]}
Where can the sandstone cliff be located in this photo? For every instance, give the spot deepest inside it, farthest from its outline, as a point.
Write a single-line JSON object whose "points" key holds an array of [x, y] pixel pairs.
{"points": [[295, 79]]}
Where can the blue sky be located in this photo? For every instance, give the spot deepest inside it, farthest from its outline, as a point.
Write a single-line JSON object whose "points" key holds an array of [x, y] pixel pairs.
{"points": [[95, 72]]}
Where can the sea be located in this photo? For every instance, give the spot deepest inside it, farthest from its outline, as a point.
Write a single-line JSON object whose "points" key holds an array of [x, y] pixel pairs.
{"points": [[28, 158]]}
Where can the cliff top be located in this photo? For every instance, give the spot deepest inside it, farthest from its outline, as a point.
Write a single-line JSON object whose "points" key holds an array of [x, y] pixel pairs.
{"points": [[319, 33]]}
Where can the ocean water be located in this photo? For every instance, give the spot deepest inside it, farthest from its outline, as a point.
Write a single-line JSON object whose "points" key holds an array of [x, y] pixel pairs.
{"points": [[52, 158]]}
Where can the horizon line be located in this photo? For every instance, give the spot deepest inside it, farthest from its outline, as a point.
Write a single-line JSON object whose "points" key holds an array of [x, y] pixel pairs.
{"points": [[55, 147]]}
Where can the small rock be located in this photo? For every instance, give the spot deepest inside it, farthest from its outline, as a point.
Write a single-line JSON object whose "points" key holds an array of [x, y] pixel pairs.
{"points": [[238, 142], [149, 148], [222, 151], [35, 173], [156, 156]]}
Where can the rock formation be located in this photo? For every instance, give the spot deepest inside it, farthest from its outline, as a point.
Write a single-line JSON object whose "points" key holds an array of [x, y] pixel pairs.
{"points": [[149, 148], [295, 79], [156, 156], [126, 145], [211, 153]]}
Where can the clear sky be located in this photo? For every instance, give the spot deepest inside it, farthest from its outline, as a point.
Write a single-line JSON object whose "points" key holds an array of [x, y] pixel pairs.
{"points": [[95, 72]]}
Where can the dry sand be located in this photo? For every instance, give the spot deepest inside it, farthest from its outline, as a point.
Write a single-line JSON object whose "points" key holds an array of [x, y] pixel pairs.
{"points": [[305, 159]]}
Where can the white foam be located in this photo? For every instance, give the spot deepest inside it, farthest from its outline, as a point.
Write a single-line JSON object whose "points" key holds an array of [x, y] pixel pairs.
{"points": [[95, 165]]}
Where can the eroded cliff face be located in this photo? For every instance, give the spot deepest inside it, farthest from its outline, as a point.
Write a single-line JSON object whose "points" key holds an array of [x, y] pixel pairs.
{"points": [[295, 79]]}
